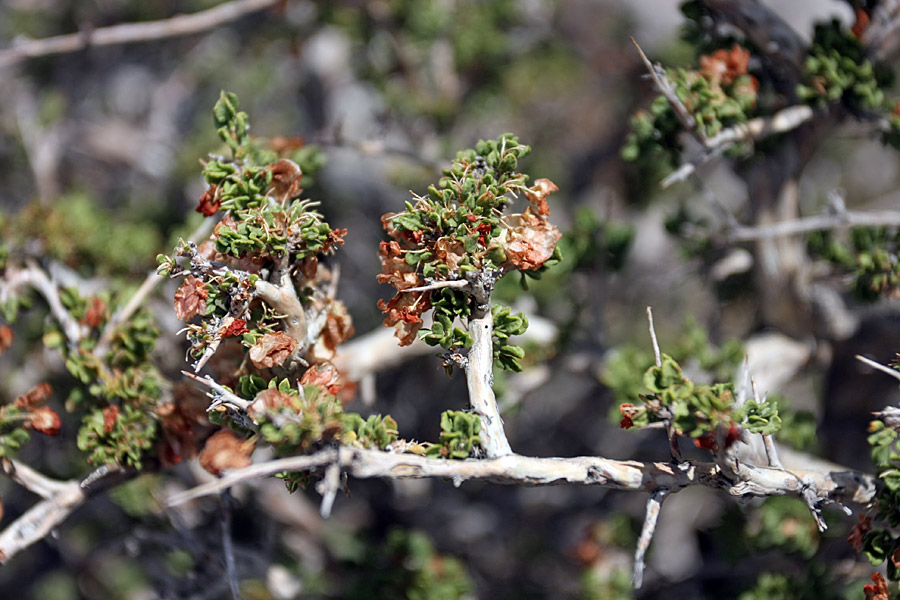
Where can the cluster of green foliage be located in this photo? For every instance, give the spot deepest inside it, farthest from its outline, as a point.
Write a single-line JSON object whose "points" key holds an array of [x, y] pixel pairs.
{"points": [[459, 436], [696, 410], [720, 94], [870, 253], [837, 70], [120, 389], [879, 542], [623, 371], [459, 232]]}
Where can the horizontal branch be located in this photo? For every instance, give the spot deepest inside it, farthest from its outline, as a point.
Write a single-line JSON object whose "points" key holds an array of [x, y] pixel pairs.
{"points": [[756, 129], [127, 33], [883, 218], [514, 469]]}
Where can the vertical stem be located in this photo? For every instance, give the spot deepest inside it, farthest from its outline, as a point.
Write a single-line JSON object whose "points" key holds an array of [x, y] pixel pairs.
{"points": [[480, 367], [480, 378]]}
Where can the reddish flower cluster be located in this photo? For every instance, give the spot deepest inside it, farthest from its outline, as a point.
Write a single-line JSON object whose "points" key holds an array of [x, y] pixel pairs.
{"points": [[233, 329], [878, 589], [625, 410], [209, 202], [725, 65], [859, 531]]}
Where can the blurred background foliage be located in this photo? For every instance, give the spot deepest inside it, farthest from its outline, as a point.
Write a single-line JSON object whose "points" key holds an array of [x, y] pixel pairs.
{"points": [[99, 172]]}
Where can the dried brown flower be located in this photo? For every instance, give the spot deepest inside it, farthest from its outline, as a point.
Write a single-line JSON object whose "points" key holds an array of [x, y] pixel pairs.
{"points": [[273, 349], [530, 240], [34, 396], [224, 451], [6, 338], [95, 315], [45, 420], [190, 298], [537, 195], [209, 202]]}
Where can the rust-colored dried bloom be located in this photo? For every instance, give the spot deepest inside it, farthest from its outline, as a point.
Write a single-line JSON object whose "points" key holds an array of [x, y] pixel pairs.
{"points": [[286, 178], [861, 23], [859, 531], [404, 312], [325, 375], [270, 401], [338, 327], [34, 396], [95, 315], [45, 420], [529, 240], [110, 416], [190, 298], [273, 349], [233, 329], [878, 589], [725, 65], [394, 268], [209, 202], [224, 451], [537, 195], [6, 338]]}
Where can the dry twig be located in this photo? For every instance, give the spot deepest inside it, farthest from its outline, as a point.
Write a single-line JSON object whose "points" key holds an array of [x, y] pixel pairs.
{"points": [[129, 33]]}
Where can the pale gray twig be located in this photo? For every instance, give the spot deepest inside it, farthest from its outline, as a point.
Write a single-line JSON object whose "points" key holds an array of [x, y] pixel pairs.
{"points": [[127, 33], [654, 503], [883, 218], [878, 366]]}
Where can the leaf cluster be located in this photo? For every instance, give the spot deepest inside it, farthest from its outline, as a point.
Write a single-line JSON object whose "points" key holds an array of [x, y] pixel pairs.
{"points": [[870, 253], [460, 437], [837, 70]]}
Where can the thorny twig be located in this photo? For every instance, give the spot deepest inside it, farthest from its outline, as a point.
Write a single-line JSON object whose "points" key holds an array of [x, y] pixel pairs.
{"points": [[479, 367], [674, 447], [126, 33], [222, 394], [665, 88], [654, 503], [328, 487], [760, 128], [878, 366]]}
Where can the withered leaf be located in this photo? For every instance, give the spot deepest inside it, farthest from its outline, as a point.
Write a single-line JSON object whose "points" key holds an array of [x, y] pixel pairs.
{"points": [[190, 298], [394, 268], [6, 338], [45, 420], [95, 315], [530, 240], [537, 195], [325, 375], [209, 202], [878, 589], [34, 396], [110, 415], [286, 178], [273, 349], [404, 313], [270, 401], [224, 451]]}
